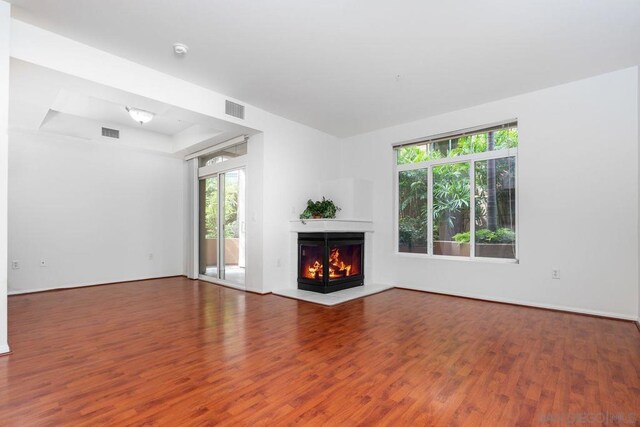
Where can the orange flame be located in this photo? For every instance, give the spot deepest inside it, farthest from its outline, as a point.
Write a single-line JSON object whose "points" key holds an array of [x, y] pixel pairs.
{"points": [[337, 267]]}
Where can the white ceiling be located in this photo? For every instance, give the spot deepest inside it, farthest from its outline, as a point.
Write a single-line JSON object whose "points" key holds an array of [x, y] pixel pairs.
{"points": [[334, 64], [44, 100], [91, 107]]}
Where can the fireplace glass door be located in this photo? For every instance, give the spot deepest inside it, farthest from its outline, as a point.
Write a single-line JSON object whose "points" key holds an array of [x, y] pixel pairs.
{"points": [[311, 261], [330, 261], [344, 261]]}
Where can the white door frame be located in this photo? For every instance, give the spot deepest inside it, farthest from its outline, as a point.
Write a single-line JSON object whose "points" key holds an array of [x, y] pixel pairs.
{"points": [[218, 169]]}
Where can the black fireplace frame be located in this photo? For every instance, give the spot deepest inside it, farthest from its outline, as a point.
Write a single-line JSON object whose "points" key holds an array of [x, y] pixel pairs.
{"points": [[327, 239]]}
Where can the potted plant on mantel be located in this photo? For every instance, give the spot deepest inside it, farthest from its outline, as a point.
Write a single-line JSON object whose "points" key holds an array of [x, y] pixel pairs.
{"points": [[319, 209]]}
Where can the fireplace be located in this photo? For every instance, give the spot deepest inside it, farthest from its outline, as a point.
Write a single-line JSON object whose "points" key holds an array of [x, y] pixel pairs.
{"points": [[329, 262]]}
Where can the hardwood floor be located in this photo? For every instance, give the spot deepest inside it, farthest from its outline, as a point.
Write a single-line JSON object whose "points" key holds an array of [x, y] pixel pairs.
{"points": [[177, 352]]}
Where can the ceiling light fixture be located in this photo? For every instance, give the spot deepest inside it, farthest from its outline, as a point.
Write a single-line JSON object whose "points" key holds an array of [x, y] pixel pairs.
{"points": [[180, 49], [140, 116]]}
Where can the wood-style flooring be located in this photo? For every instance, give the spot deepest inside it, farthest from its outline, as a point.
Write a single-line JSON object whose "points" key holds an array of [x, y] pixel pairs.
{"points": [[176, 352]]}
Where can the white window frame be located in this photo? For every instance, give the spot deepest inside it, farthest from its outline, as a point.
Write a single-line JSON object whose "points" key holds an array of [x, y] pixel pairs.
{"points": [[429, 165], [208, 171]]}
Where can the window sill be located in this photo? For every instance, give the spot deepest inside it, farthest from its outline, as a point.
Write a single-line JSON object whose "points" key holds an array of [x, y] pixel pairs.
{"points": [[458, 258]]}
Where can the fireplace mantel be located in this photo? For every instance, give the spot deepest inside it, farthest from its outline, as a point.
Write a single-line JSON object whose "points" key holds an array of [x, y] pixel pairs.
{"points": [[331, 225]]}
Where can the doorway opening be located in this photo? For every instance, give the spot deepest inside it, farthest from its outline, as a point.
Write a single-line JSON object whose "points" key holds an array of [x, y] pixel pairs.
{"points": [[222, 210]]}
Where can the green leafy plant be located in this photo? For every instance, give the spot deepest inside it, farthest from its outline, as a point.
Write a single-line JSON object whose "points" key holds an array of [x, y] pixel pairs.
{"points": [[412, 232], [231, 229], [501, 235], [505, 235], [485, 236], [462, 237], [324, 208]]}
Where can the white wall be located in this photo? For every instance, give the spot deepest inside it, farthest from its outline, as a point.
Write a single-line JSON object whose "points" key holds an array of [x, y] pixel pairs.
{"points": [[5, 17], [296, 159], [352, 195], [254, 214], [294, 156], [578, 153], [93, 210], [578, 199]]}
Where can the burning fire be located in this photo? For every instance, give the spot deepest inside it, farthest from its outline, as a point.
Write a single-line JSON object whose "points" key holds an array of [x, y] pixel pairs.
{"points": [[337, 267]]}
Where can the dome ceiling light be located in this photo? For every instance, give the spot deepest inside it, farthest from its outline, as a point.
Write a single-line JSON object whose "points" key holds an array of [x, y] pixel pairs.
{"points": [[140, 116]]}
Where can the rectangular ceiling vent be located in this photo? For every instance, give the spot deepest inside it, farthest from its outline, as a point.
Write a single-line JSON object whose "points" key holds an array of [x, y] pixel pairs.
{"points": [[235, 110], [111, 133]]}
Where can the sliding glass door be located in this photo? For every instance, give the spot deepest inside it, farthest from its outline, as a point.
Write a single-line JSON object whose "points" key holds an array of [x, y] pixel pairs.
{"points": [[222, 226], [233, 224], [209, 206]]}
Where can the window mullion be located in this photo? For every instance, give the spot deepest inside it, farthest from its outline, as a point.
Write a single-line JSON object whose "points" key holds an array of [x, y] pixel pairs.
{"points": [[472, 209], [517, 218], [430, 210]]}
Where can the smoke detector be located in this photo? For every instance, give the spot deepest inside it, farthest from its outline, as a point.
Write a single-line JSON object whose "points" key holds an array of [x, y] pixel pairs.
{"points": [[180, 49]]}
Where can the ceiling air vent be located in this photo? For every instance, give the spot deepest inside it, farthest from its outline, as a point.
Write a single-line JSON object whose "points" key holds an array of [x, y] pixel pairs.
{"points": [[233, 109], [111, 133]]}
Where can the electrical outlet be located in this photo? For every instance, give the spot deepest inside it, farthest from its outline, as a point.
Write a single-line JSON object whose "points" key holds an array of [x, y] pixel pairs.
{"points": [[43, 262], [555, 273], [150, 257], [15, 265]]}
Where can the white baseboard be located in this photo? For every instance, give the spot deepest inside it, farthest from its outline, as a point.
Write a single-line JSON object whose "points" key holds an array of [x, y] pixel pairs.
{"points": [[29, 291], [221, 282], [253, 291], [527, 303], [4, 349], [59, 288]]}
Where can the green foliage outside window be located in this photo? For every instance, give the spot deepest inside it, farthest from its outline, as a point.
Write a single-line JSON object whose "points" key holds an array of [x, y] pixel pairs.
{"points": [[451, 189], [230, 209], [501, 235]]}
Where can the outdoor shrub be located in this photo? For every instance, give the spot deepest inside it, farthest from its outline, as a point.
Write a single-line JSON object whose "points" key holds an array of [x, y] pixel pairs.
{"points": [[501, 235], [462, 237], [485, 236], [411, 230], [505, 235]]}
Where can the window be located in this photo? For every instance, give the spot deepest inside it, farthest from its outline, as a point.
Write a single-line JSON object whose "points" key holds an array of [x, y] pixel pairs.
{"points": [[457, 194], [223, 155]]}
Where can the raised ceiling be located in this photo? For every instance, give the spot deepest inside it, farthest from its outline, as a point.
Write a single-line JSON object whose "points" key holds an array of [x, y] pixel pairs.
{"points": [[334, 65], [47, 101]]}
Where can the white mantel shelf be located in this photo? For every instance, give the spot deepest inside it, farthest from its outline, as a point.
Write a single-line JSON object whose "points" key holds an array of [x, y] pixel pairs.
{"points": [[331, 225]]}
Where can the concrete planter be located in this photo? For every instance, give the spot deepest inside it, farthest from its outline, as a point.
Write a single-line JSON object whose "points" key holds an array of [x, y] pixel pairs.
{"points": [[496, 250], [446, 247], [484, 250], [415, 249], [451, 248]]}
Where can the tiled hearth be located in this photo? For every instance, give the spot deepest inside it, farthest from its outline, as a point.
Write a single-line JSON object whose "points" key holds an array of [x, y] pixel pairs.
{"points": [[335, 297]]}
